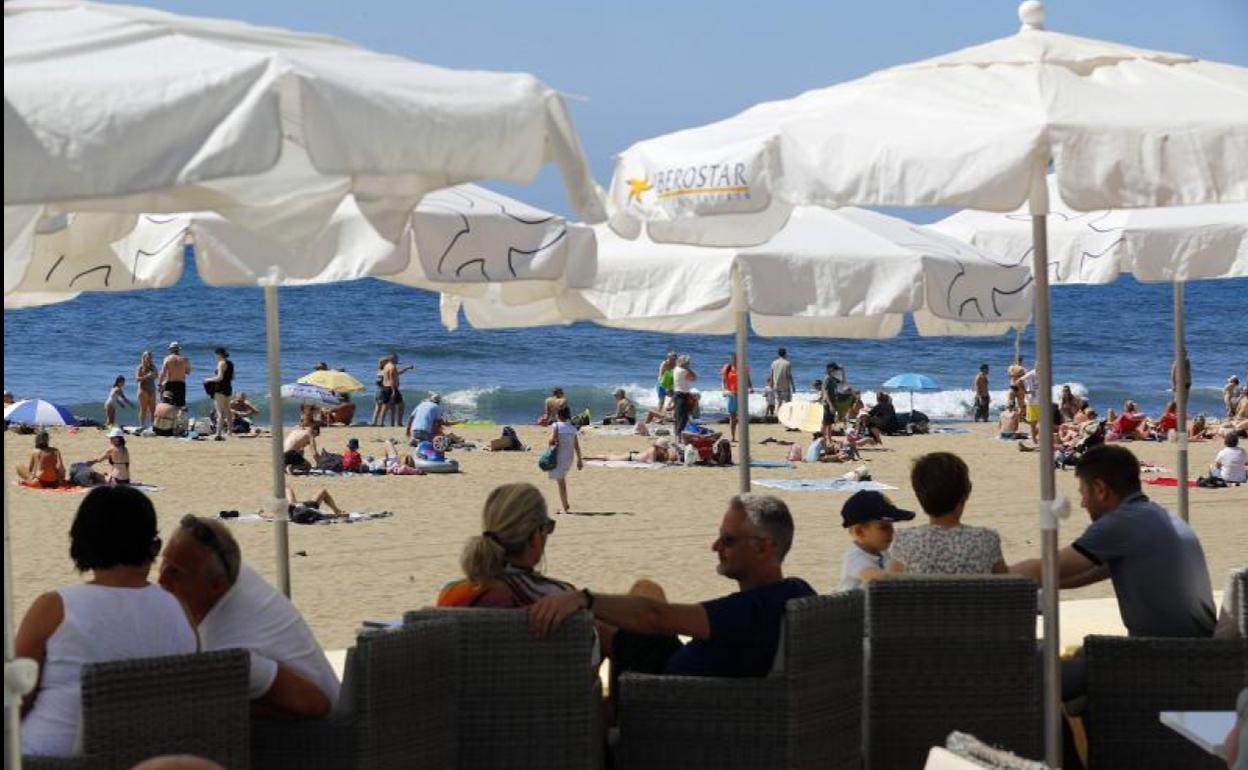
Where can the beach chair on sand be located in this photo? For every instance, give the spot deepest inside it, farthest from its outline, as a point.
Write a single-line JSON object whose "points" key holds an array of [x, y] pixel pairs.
{"points": [[950, 653], [523, 702], [1131, 680], [181, 704], [806, 714], [396, 709]]}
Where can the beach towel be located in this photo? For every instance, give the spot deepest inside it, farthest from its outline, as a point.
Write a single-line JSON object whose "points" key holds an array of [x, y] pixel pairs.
{"points": [[823, 485], [70, 488], [351, 518], [149, 488], [950, 430], [771, 464], [611, 430], [1167, 481], [624, 464]]}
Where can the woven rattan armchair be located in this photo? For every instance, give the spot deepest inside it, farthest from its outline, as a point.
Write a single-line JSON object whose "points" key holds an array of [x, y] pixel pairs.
{"points": [[950, 653], [808, 714], [524, 702], [396, 709], [181, 704], [1131, 680]]}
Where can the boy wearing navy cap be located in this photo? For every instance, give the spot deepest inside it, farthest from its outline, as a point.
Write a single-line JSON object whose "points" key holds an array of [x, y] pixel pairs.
{"points": [[868, 517]]}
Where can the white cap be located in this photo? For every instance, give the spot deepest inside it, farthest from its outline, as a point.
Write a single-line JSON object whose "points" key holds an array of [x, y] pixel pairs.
{"points": [[116, 433], [174, 345]]}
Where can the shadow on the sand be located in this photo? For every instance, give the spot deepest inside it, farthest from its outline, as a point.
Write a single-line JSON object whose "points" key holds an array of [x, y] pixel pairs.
{"points": [[599, 513]]}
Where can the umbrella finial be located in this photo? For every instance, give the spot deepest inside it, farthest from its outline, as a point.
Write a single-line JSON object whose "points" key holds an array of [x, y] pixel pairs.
{"points": [[1031, 14]]}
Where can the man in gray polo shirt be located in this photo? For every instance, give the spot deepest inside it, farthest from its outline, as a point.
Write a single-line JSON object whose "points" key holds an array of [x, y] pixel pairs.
{"points": [[1153, 557]]}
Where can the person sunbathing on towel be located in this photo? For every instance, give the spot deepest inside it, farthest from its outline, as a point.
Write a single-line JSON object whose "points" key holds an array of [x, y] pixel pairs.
{"points": [[661, 451], [309, 511]]}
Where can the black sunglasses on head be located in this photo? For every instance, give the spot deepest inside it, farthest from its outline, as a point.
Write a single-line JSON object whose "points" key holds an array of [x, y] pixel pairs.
{"points": [[207, 537]]}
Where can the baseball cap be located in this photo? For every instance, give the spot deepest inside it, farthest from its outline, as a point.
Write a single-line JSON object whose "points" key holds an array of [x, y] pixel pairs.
{"points": [[353, 443], [866, 506], [174, 345]]}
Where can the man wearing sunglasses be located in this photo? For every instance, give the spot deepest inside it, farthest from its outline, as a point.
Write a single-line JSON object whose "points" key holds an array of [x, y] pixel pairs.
{"points": [[233, 607], [735, 635]]}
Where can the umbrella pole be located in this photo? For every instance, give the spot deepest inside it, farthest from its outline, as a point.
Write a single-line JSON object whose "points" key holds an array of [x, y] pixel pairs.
{"points": [[280, 520], [1181, 369], [1048, 518], [12, 695], [743, 400]]}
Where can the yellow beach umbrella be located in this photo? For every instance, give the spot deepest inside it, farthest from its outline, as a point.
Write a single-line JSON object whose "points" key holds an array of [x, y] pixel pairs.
{"points": [[330, 379]]}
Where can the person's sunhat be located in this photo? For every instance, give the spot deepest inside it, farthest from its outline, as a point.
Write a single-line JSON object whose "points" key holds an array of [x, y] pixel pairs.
{"points": [[353, 443], [866, 506], [116, 433], [174, 345], [435, 397], [1232, 378]]}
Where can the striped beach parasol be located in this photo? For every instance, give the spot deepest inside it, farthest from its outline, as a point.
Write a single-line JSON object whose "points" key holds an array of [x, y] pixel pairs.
{"points": [[309, 394], [36, 411]]}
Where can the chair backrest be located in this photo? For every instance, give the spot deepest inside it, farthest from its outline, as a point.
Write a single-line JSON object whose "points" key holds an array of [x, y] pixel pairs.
{"points": [[181, 704], [402, 685], [1240, 587], [822, 643], [950, 653], [523, 702], [1131, 680]]}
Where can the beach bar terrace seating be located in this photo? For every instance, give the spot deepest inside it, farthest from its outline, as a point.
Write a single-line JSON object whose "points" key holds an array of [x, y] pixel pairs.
{"points": [[180, 704], [806, 714], [950, 653], [396, 708], [522, 702], [1132, 680]]}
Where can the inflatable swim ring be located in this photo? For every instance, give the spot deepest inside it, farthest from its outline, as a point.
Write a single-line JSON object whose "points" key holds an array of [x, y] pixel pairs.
{"points": [[436, 466]]}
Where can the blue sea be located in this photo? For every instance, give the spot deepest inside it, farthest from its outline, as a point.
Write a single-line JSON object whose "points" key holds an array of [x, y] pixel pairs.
{"points": [[1111, 342]]}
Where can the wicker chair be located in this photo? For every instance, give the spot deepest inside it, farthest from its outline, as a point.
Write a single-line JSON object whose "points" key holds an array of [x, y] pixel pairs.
{"points": [[1132, 680], [396, 709], [182, 704], [523, 702], [1240, 580], [950, 653], [808, 715]]}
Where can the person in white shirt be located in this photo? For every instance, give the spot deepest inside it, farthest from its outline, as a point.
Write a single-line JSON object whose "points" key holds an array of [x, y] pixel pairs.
{"points": [[1229, 464], [868, 517], [233, 607], [683, 378], [116, 615]]}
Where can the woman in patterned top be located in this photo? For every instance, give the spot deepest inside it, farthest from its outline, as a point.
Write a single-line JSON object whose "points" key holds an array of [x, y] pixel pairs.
{"points": [[945, 546], [499, 564]]}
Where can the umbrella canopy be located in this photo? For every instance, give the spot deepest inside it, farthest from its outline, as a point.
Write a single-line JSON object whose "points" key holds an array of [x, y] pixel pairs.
{"points": [[309, 394], [270, 128], [847, 273], [36, 411], [976, 128], [911, 381], [1179, 243], [336, 381]]}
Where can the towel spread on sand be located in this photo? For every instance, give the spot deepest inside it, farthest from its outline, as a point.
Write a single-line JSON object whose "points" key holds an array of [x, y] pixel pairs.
{"points": [[351, 518], [950, 430], [610, 430], [624, 464], [1167, 481], [771, 464], [823, 485], [75, 488]]}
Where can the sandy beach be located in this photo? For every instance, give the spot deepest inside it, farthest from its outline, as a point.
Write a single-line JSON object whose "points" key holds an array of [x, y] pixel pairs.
{"points": [[627, 523]]}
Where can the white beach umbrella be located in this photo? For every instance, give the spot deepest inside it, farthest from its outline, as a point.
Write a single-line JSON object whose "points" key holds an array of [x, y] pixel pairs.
{"points": [[845, 273], [271, 129], [977, 128], [1174, 244]]}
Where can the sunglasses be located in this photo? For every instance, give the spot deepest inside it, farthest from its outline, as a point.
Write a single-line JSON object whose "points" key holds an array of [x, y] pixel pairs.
{"points": [[728, 541], [205, 536]]}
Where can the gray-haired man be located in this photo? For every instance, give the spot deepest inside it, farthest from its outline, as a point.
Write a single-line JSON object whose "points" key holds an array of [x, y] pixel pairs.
{"points": [[735, 635]]}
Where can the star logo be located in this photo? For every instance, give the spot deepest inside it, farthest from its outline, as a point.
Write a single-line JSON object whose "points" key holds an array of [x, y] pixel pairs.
{"points": [[636, 187]]}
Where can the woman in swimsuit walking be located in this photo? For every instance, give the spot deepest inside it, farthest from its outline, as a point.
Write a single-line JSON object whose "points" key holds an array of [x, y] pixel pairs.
{"points": [[145, 374], [46, 469], [116, 398], [118, 458], [222, 387]]}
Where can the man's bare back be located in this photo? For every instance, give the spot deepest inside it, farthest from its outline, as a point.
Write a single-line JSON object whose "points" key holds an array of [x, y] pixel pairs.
{"points": [[175, 368]]}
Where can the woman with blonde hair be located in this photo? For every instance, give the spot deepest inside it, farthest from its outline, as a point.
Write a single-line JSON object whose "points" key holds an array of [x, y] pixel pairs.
{"points": [[500, 564], [145, 374]]}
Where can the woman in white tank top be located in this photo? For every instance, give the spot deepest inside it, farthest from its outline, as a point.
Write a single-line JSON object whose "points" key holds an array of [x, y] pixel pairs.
{"points": [[116, 615]]}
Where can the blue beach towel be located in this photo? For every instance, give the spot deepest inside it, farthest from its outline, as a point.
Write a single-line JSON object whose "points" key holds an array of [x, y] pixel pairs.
{"points": [[823, 485]]}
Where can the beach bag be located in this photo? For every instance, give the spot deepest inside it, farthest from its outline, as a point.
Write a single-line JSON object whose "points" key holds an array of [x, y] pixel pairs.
{"points": [[549, 459], [1211, 482]]}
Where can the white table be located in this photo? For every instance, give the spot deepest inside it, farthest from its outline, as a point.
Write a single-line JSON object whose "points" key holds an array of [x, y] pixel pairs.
{"points": [[1206, 729]]}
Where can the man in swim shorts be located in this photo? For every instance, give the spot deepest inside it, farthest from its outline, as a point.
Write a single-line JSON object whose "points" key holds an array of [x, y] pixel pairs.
{"points": [[982, 400], [173, 373], [296, 441]]}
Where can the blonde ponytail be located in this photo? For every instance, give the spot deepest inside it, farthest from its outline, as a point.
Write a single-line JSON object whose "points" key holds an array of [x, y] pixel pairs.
{"points": [[512, 513]]}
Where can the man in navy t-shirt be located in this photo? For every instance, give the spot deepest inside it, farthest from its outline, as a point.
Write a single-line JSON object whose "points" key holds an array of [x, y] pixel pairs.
{"points": [[734, 636]]}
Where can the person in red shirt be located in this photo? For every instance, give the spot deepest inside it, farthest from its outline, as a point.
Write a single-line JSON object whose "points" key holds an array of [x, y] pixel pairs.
{"points": [[728, 378], [1169, 421], [1130, 424], [351, 459]]}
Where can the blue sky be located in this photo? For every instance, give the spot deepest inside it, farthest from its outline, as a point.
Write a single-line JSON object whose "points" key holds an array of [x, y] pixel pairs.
{"points": [[646, 67]]}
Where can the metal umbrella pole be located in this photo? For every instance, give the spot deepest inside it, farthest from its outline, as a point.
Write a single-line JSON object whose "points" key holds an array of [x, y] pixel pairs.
{"points": [[743, 386], [280, 520], [1039, 205], [1182, 373], [19, 675]]}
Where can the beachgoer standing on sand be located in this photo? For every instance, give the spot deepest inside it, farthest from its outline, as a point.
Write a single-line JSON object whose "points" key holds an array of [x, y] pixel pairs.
{"points": [[1230, 395], [1016, 370], [664, 387], [221, 386], [782, 377], [145, 374], [173, 373], [683, 378], [563, 436], [728, 378], [116, 399], [382, 398], [390, 379], [982, 399]]}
